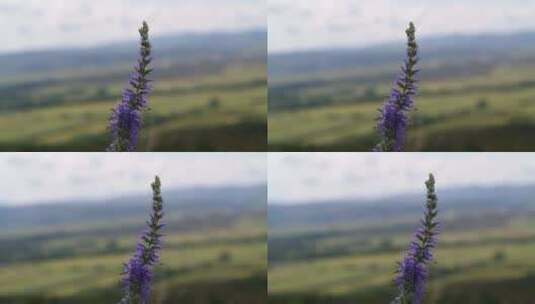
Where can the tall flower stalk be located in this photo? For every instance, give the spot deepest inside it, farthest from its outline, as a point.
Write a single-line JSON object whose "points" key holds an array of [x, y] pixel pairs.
{"points": [[393, 116], [413, 269], [138, 272], [126, 120]]}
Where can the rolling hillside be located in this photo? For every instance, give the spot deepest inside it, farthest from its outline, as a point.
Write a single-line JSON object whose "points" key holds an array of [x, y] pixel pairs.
{"points": [[475, 94], [346, 251], [72, 252], [209, 89]]}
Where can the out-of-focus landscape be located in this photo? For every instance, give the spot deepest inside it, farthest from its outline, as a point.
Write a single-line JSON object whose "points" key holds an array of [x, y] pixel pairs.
{"points": [[338, 224], [209, 94], [72, 252], [476, 93], [345, 251]]}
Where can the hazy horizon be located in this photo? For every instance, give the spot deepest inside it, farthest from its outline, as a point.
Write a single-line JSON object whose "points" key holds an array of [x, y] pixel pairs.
{"points": [[299, 178], [390, 42], [37, 178], [39, 25], [127, 40], [347, 23]]}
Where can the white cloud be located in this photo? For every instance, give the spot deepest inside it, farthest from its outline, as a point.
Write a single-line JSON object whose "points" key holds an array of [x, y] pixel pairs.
{"points": [[298, 177], [36, 177], [35, 24], [305, 24]]}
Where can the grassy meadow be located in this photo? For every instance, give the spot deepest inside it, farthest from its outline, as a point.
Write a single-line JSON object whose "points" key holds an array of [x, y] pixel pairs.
{"points": [[468, 100], [215, 257], [201, 101], [481, 258]]}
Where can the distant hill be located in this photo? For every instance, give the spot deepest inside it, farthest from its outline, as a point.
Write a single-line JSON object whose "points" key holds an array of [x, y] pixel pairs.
{"points": [[168, 50], [179, 203], [481, 48], [467, 201]]}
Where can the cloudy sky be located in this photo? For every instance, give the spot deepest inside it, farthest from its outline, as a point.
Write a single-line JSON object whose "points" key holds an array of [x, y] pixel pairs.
{"points": [[305, 24], [297, 177], [37, 177], [37, 24]]}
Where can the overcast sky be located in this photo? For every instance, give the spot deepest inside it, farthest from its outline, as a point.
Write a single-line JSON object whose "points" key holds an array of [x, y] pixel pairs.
{"points": [[37, 24], [37, 177], [300, 177], [293, 177], [305, 24]]}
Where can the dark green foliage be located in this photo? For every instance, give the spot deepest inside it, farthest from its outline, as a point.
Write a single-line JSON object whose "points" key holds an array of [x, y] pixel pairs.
{"points": [[513, 291], [372, 296], [251, 290]]}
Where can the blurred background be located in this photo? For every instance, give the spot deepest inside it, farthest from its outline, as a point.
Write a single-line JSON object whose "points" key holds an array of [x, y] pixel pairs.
{"points": [[339, 223], [332, 64], [69, 223], [65, 63]]}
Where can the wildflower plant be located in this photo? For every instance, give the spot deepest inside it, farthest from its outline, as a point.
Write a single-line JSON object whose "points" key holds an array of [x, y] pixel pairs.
{"points": [[138, 272], [393, 116], [412, 271], [126, 120]]}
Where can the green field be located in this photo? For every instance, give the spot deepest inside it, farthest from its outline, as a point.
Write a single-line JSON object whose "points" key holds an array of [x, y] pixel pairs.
{"points": [[218, 111], [480, 259], [200, 263], [475, 105]]}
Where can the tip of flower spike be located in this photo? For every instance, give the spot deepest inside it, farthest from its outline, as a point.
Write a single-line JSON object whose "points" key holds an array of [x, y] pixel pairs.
{"points": [[431, 180], [156, 181], [412, 28], [144, 30]]}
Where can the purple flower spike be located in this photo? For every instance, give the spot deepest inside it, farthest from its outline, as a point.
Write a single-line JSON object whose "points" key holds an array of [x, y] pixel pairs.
{"points": [[138, 272], [412, 273], [392, 121], [413, 269], [138, 278], [125, 121]]}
